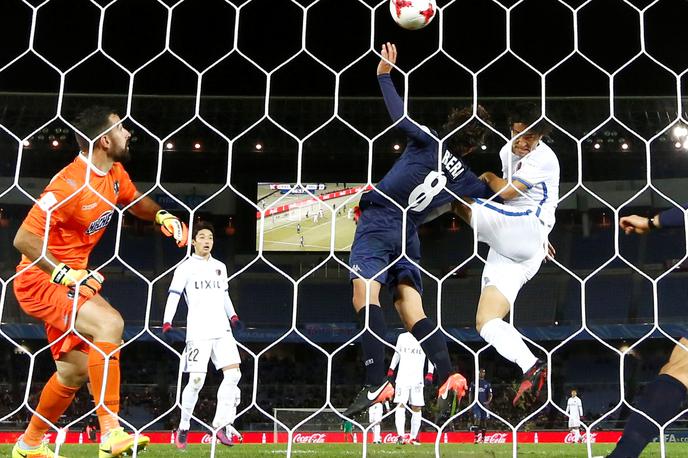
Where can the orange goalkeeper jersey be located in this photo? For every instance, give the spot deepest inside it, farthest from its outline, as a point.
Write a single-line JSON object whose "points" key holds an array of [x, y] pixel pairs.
{"points": [[77, 215]]}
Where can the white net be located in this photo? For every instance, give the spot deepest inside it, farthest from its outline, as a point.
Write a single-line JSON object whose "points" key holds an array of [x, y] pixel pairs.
{"points": [[236, 94]]}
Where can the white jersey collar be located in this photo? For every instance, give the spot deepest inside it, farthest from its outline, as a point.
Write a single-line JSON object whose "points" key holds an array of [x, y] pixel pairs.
{"points": [[201, 258], [93, 167]]}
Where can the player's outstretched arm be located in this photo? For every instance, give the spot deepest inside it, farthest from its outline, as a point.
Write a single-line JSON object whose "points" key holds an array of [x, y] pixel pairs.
{"points": [[394, 103], [171, 226], [637, 224]]}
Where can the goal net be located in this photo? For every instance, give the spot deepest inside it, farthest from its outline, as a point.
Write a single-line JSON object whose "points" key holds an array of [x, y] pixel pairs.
{"points": [[235, 95]]}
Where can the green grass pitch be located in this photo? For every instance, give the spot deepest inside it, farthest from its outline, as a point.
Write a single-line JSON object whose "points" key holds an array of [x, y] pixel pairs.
{"points": [[673, 450]]}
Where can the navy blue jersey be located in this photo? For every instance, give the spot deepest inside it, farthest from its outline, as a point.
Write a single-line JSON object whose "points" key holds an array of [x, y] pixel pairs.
{"points": [[414, 180], [484, 390], [672, 217]]}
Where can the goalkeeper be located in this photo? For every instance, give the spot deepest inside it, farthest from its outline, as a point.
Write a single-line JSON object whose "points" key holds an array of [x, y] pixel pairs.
{"points": [[55, 285]]}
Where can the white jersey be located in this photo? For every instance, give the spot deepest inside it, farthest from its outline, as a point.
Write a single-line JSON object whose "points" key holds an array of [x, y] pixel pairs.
{"points": [[411, 358], [539, 171], [203, 282], [574, 408]]}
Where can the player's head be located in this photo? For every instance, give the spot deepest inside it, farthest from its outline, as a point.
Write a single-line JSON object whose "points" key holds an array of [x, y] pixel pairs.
{"points": [[526, 128], [470, 136], [482, 373], [202, 238], [574, 393], [95, 120]]}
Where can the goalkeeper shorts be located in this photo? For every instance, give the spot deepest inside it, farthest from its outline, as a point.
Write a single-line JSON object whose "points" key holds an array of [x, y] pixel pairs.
{"points": [[52, 304]]}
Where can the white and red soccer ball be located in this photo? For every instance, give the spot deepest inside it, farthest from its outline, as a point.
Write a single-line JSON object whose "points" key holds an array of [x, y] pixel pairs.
{"points": [[412, 14]]}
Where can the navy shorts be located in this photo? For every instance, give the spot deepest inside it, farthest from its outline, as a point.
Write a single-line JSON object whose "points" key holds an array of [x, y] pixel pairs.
{"points": [[377, 244], [479, 413]]}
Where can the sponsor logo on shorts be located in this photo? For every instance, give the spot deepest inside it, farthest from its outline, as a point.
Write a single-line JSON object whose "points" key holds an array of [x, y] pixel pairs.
{"points": [[101, 222], [116, 187], [89, 206], [355, 268]]}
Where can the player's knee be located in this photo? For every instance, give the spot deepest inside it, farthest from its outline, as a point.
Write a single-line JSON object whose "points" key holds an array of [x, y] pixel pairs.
{"points": [[196, 381], [233, 375], [73, 376]]}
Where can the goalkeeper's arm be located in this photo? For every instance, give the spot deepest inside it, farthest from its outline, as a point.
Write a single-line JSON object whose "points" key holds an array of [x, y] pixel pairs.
{"points": [[147, 209], [31, 246]]}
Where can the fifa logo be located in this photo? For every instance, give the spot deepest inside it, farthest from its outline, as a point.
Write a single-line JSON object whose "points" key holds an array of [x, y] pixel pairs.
{"points": [[100, 223]]}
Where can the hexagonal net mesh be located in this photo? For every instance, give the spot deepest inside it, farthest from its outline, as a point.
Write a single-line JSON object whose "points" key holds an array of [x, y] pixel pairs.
{"points": [[265, 118]]}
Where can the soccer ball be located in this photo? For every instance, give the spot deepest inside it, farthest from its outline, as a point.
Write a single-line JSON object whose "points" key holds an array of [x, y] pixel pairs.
{"points": [[412, 14]]}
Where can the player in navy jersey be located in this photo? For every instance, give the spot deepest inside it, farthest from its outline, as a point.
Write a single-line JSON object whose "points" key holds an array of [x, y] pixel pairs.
{"points": [[419, 181], [480, 414], [663, 398]]}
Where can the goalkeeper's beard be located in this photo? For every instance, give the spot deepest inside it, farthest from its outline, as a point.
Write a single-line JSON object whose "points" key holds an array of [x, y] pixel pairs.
{"points": [[122, 156]]}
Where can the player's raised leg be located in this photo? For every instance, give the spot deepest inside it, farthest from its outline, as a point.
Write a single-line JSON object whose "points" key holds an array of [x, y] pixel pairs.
{"points": [[662, 401], [376, 387], [492, 308]]}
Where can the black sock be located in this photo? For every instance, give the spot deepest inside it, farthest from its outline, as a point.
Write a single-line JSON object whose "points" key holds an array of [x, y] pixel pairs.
{"points": [[373, 349], [435, 348], [661, 401]]}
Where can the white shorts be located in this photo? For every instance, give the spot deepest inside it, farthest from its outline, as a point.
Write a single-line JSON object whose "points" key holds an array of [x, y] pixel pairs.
{"points": [[518, 244], [223, 352], [574, 422], [409, 395]]}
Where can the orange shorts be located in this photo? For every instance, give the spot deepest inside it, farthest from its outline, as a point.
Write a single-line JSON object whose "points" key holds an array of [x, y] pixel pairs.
{"points": [[52, 304]]}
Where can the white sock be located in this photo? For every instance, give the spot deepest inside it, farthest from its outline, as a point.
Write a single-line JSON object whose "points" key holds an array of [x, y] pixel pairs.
{"points": [[400, 419], [576, 435], [415, 424], [374, 417], [508, 343], [226, 398], [190, 397]]}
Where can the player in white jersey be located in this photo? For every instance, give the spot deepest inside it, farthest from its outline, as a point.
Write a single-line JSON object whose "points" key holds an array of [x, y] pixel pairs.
{"points": [[202, 280], [408, 386], [574, 409], [517, 232]]}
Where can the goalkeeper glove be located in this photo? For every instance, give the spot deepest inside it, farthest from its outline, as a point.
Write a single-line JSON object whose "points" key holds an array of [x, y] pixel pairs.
{"points": [[172, 226], [428, 379], [91, 281]]}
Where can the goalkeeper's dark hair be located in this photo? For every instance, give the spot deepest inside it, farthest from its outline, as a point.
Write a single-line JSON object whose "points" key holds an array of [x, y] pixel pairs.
{"points": [[470, 135], [528, 113], [199, 226], [92, 122]]}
